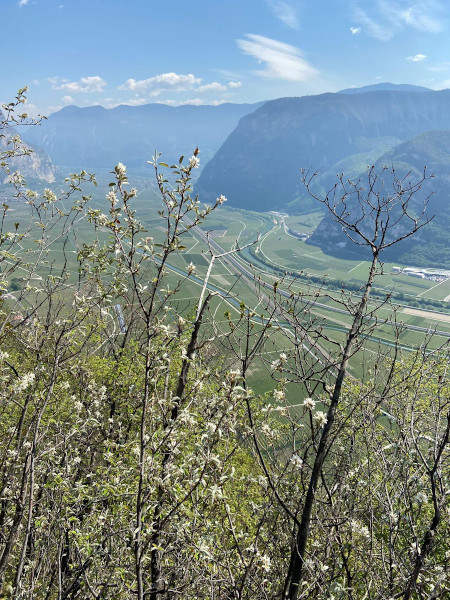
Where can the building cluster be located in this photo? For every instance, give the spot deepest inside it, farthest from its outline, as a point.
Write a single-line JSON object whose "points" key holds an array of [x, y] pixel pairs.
{"points": [[432, 274]]}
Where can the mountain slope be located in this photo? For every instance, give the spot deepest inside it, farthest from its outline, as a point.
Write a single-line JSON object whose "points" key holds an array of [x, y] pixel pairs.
{"points": [[430, 246], [96, 137], [258, 165]]}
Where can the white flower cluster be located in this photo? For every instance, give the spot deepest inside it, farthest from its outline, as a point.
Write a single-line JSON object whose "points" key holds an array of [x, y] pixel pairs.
{"points": [[309, 403], [24, 382], [358, 527], [102, 219], [320, 418], [296, 461], [279, 362], [111, 196], [421, 498], [233, 375], [265, 562], [194, 162], [4, 355], [121, 170], [49, 195], [190, 268], [279, 395], [221, 199]]}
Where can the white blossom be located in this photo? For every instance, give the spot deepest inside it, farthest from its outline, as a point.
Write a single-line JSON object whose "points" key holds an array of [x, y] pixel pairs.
{"points": [[320, 418], [233, 375], [121, 170], [309, 403], [265, 562], [194, 162], [190, 268], [279, 395], [24, 382], [221, 199], [296, 461], [111, 196], [421, 497]]}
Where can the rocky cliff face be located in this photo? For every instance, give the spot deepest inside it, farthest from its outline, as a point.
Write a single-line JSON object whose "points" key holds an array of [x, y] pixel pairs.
{"points": [[34, 166]]}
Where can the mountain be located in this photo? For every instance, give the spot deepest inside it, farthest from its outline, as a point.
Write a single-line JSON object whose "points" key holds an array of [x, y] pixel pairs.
{"points": [[98, 138], [36, 166], [430, 246], [258, 165], [392, 87]]}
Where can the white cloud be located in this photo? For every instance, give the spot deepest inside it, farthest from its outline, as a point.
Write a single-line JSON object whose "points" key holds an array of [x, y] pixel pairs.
{"points": [[417, 57], [85, 84], [23, 2], [283, 61], [68, 100], [286, 11], [234, 84], [135, 102], [161, 83], [382, 19], [192, 102], [211, 87], [355, 30]]}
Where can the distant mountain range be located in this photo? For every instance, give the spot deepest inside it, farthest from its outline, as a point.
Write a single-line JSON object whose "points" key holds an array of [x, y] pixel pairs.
{"points": [[383, 87], [98, 138]]}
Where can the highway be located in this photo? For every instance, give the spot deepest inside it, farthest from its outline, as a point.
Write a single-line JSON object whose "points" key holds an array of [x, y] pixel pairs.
{"points": [[241, 269]]}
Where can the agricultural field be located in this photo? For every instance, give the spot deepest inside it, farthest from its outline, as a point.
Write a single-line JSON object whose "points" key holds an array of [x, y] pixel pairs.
{"points": [[271, 246]]}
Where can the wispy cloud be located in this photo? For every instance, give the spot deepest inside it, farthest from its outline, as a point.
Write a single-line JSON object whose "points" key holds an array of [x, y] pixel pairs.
{"points": [[417, 57], [287, 11], [383, 19], [282, 61], [84, 85], [441, 67], [68, 100], [23, 2], [355, 30]]}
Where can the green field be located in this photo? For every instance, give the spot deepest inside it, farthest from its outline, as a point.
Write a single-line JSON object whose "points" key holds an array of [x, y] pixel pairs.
{"points": [[278, 249]]}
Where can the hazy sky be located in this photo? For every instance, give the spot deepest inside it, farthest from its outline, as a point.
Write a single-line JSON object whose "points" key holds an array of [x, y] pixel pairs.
{"points": [[113, 52]]}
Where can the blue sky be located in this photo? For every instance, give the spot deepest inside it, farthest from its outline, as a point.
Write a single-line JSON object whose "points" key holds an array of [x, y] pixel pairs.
{"points": [[112, 52]]}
